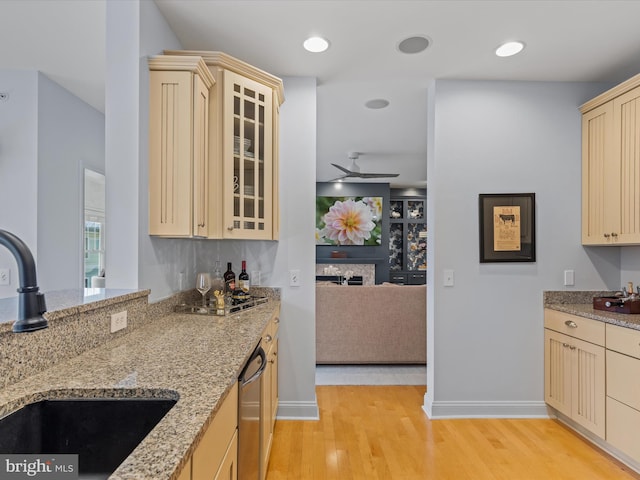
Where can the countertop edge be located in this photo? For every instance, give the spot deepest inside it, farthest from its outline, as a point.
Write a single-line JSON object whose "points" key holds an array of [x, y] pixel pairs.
{"points": [[587, 311]]}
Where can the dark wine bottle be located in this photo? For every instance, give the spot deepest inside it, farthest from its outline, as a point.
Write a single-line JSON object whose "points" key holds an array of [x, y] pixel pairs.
{"points": [[229, 280], [243, 280]]}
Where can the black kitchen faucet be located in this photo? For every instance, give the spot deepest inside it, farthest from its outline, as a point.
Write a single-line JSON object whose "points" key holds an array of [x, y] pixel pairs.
{"points": [[31, 304]]}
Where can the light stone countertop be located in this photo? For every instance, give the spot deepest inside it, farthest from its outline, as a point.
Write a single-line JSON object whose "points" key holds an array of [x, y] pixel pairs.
{"points": [[193, 358], [580, 303]]}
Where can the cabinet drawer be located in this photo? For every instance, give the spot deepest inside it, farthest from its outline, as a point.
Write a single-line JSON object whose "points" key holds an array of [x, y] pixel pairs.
{"points": [[623, 425], [623, 379], [417, 278], [579, 327], [623, 340], [213, 446]]}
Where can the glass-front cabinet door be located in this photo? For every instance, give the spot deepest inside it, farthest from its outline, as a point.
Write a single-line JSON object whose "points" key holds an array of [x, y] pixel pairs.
{"points": [[248, 156]]}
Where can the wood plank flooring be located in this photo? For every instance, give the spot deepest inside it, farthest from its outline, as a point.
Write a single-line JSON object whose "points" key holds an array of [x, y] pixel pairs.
{"points": [[381, 432]]}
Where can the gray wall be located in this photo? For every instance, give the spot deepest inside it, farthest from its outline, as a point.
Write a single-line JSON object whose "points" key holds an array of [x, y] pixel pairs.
{"points": [[485, 347]]}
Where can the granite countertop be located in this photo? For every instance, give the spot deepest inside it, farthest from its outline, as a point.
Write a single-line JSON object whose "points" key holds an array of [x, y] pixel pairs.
{"points": [[193, 358], [62, 303], [581, 304]]}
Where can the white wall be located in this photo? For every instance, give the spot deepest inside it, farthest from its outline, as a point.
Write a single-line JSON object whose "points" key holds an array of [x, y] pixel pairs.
{"points": [[70, 139], [47, 136], [18, 166], [485, 350], [135, 260]]}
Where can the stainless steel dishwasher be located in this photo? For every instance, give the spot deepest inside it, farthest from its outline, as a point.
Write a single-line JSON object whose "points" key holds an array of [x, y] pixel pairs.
{"points": [[249, 415]]}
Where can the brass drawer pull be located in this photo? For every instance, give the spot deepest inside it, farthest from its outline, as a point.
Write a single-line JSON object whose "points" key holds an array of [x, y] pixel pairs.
{"points": [[571, 324]]}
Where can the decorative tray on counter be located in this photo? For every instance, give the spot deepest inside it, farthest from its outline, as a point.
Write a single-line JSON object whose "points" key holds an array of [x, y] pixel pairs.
{"points": [[617, 304], [212, 310]]}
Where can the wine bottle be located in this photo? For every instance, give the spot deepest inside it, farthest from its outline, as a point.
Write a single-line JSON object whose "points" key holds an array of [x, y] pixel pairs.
{"points": [[229, 280], [243, 280]]}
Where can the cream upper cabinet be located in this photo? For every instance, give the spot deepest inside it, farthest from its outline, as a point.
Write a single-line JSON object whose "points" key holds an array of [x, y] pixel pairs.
{"points": [[243, 148], [179, 146], [611, 166], [574, 369]]}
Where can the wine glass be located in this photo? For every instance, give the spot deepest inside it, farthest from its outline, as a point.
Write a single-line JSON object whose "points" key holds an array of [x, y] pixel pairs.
{"points": [[203, 285]]}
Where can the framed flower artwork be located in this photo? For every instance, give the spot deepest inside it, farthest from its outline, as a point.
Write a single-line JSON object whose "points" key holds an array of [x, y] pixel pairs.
{"points": [[349, 221]]}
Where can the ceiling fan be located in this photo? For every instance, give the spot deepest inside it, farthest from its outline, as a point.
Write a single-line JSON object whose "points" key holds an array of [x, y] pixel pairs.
{"points": [[354, 170]]}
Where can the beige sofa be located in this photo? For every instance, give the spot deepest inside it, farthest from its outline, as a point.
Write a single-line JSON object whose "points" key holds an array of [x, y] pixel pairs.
{"points": [[377, 324]]}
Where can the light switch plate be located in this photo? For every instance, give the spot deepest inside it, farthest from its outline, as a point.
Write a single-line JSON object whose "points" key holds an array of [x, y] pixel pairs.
{"points": [[294, 278], [569, 278], [448, 278]]}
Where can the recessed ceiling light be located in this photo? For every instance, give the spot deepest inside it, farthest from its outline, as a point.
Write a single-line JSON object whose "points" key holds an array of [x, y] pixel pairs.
{"points": [[414, 44], [315, 44], [377, 103], [509, 48]]}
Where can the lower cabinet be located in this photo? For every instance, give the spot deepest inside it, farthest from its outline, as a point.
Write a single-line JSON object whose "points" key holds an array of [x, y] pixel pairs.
{"points": [[575, 369], [216, 455], [623, 389], [269, 392]]}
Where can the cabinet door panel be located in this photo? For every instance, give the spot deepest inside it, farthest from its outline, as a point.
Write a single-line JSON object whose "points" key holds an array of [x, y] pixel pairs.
{"points": [[588, 389], [626, 110], [229, 467], [599, 174], [200, 158], [248, 154], [170, 174], [557, 371]]}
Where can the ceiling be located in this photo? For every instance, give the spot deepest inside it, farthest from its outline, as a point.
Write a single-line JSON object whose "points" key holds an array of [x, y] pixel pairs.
{"points": [[573, 40]]}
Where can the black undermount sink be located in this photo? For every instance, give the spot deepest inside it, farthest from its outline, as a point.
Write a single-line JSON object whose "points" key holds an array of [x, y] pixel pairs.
{"points": [[102, 431]]}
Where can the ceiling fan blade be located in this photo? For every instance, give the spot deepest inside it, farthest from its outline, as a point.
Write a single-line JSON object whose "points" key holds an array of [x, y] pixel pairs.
{"points": [[348, 172], [378, 175], [337, 179]]}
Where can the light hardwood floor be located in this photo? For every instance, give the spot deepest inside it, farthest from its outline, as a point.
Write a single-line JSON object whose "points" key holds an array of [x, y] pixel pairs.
{"points": [[381, 432]]}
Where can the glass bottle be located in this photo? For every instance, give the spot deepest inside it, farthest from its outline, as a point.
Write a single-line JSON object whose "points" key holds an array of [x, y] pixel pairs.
{"points": [[217, 281], [229, 280], [243, 280]]}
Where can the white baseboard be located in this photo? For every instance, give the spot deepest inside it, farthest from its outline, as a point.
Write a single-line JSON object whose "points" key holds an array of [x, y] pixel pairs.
{"points": [[479, 409], [298, 411]]}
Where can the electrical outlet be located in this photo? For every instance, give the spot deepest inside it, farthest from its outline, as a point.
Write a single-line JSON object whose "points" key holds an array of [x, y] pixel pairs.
{"points": [[294, 278], [118, 321], [5, 276], [255, 277]]}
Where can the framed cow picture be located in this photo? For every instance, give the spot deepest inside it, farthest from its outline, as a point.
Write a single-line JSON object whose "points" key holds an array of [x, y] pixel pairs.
{"points": [[507, 227]]}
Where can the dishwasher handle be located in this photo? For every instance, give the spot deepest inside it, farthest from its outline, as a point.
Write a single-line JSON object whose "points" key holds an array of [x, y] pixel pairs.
{"points": [[263, 364]]}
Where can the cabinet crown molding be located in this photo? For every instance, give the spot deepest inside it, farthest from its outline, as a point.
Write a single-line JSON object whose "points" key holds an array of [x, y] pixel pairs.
{"points": [[220, 59], [612, 93], [182, 63]]}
